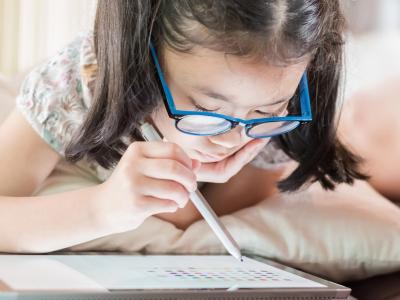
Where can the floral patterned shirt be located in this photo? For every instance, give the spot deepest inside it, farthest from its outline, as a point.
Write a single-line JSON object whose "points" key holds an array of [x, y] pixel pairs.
{"points": [[56, 96]]}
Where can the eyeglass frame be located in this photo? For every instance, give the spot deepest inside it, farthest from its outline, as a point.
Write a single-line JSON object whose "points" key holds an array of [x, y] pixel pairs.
{"points": [[177, 115]]}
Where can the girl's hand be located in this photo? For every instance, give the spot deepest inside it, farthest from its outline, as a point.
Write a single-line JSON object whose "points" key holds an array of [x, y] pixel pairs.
{"points": [[150, 178], [222, 171]]}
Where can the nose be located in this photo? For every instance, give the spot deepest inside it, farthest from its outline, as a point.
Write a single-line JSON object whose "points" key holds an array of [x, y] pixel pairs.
{"points": [[230, 139]]}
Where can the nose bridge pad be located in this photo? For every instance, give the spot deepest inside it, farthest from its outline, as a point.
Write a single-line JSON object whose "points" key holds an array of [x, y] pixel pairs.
{"points": [[237, 127], [242, 128]]}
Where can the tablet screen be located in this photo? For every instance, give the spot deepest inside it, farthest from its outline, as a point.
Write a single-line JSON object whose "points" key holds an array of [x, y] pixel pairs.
{"points": [[122, 272]]}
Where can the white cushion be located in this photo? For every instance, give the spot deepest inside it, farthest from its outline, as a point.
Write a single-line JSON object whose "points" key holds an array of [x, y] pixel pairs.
{"points": [[351, 233]]}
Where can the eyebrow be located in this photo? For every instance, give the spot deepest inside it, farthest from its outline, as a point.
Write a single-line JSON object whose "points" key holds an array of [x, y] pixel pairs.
{"points": [[215, 95]]}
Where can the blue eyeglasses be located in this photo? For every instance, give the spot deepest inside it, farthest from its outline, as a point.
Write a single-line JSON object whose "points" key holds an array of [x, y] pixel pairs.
{"points": [[204, 123]]}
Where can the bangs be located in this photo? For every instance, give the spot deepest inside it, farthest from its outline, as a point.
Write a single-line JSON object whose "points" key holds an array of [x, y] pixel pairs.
{"points": [[271, 36]]}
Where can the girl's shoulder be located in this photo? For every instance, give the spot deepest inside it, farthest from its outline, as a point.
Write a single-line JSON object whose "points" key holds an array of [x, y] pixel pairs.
{"points": [[55, 96]]}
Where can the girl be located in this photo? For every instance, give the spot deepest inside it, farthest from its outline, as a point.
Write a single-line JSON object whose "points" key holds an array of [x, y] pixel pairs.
{"points": [[219, 79]]}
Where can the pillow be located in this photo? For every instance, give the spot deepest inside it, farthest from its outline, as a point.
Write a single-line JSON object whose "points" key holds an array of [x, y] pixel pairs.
{"points": [[352, 233]]}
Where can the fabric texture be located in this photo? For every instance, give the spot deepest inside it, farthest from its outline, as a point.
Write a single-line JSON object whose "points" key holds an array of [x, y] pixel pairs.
{"points": [[352, 233]]}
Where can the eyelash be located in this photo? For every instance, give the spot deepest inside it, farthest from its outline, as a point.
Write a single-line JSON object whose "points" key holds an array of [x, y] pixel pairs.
{"points": [[272, 114], [277, 113], [267, 114], [199, 108]]}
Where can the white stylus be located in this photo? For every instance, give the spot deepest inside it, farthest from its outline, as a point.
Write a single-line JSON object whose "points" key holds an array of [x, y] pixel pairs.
{"points": [[150, 134]]}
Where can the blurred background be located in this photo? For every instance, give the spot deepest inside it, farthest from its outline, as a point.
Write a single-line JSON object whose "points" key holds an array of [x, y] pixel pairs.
{"points": [[366, 16], [31, 30]]}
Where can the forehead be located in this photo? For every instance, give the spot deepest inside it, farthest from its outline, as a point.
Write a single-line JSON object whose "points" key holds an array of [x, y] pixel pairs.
{"points": [[235, 77]]}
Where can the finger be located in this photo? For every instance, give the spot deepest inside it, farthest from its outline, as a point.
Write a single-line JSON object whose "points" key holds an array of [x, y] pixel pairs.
{"points": [[169, 169], [256, 148], [228, 167], [244, 155], [196, 164], [164, 189], [156, 206], [166, 150]]}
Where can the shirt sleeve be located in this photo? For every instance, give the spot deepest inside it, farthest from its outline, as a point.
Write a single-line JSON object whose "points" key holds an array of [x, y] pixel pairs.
{"points": [[51, 97], [270, 157]]}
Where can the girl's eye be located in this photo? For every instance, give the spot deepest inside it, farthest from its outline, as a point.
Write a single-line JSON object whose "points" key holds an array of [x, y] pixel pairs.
{"points": [[199, 108], [278, 112], [266, 114]]}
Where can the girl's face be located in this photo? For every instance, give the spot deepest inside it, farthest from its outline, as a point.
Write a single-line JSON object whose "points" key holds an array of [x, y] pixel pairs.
{"points": [[226, 84]]}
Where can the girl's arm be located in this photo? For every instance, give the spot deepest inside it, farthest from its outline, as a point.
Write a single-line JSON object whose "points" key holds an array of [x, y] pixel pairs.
{"points": [[150, 178], [38, 224], [25, 159], [49, 223]]}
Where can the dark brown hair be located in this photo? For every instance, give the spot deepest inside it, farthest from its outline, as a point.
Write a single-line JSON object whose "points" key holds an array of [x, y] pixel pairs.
{"points": [[277, 31]]}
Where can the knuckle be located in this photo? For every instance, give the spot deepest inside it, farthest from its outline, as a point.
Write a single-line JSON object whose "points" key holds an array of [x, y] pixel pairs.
{"points": [[226, 178], [179, 192], [126, 170], [140, 204], [192, 177], [173, 166], [133, 147], [133, 183], [129, 174], [170, 206], [174, 149], [222, 175], [133, 151], [191, 183]]}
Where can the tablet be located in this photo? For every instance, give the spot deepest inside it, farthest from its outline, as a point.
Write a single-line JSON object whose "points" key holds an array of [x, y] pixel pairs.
{"points": [[132, 276]]}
